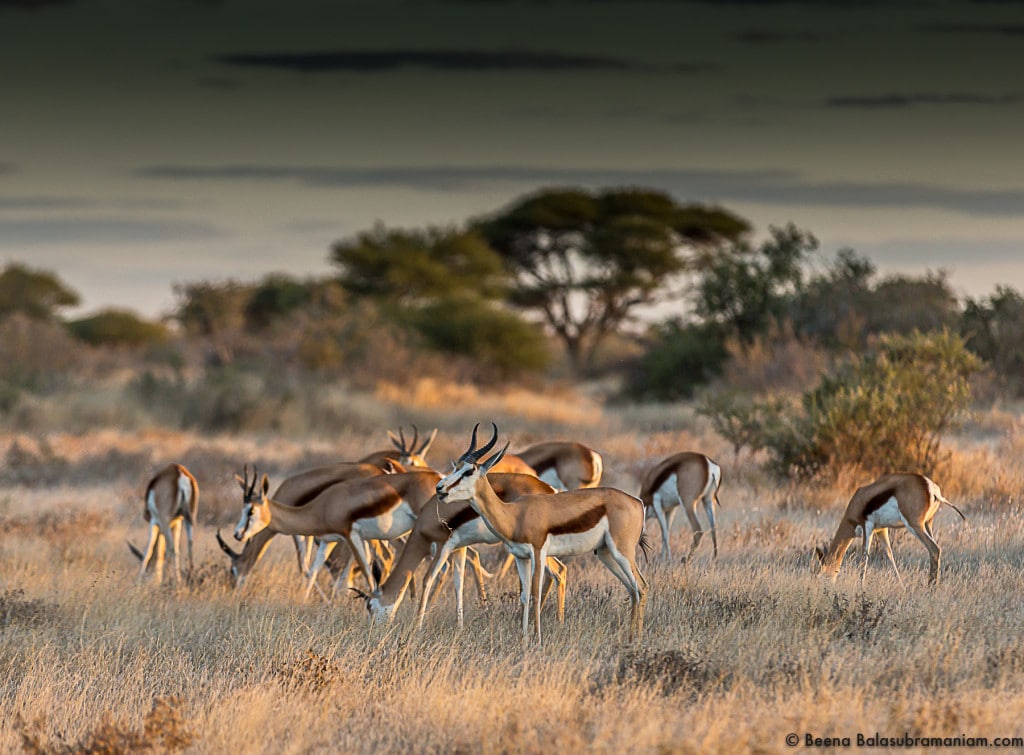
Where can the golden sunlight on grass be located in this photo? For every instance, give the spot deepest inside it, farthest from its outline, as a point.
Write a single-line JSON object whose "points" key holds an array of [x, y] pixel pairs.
{"points": [[738, 653]]}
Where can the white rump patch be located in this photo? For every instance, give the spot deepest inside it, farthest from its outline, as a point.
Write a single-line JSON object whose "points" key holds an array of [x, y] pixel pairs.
{"points": [[887, 515], [550, 476]]}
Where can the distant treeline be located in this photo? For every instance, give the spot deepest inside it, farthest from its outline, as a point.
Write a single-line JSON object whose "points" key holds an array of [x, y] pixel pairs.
{"points": [[552, 284]]}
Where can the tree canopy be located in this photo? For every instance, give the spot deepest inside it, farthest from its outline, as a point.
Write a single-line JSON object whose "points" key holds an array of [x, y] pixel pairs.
{"points": [[584, 260], [37, 293]]}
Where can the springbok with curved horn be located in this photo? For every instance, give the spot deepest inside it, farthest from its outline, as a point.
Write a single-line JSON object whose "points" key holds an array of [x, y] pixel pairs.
{"points": [[408, 454], [447, 529], [605, 521], [377, 508], [903, 499], [682, 480], [294, 491], [172, 500]]}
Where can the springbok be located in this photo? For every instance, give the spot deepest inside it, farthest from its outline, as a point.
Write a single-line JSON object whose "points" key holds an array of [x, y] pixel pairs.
{"points": [[172, 499], [447, 529], [378, 508], [903, 499], [683, 481], [295, 491], [605, 521]]}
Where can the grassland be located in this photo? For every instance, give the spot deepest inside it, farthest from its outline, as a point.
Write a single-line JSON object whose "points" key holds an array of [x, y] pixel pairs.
{"points": [[738, 653]]}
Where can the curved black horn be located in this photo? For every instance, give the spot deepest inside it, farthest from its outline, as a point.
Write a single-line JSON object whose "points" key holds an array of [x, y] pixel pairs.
{"points": [[359, 593], [394, 441], [479, 453], [415, 439], [135, 551], [226, 548], [468, 455], [252, 487]]}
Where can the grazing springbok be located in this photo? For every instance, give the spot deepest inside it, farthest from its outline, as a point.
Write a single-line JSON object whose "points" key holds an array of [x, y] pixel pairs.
{"points": [[172, 499], [903, 499], [682, 480], [295, 491], [564, 465], [605, 521], [370, 508], [450, 528]]}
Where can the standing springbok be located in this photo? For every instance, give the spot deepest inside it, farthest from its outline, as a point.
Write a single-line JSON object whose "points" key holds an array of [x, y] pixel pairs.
{"points": [[605, 521], [450, 528], [172, 498], [682, 480], [378, 508], [564, 465], [896, 500]]}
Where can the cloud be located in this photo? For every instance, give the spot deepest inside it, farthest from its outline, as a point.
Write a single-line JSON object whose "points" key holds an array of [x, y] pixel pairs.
{"points": [[374, 61], [32, 4], [772, 187], [908, 100], [102, 230], [1006, 30], [762, 36], [42, 203]]}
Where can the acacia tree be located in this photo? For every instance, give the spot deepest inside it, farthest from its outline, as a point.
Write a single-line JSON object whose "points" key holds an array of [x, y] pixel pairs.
{"points": [[447, 285], [36, 293], [585, 261]]}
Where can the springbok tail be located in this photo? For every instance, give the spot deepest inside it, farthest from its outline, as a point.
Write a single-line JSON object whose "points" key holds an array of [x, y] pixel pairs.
{"points": [[645, 547], [943, 500], [136, 551]]}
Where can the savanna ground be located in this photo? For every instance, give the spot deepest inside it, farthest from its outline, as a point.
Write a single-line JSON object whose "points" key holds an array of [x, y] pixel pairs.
{"points": [[737, 654]]}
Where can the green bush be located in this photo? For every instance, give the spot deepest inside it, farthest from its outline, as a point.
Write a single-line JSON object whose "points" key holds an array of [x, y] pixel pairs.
{"points": [[116, 327], [500, 342], [679, 358], [885, 410]]}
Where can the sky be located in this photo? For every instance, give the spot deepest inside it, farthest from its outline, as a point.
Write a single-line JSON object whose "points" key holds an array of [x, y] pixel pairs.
{"points": [[149, 143]]}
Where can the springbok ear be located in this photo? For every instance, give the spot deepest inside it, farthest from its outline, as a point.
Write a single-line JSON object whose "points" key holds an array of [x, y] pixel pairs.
{"points": [[427, 443], [266, 484], [486, 466], [376, 571], [394, 441]]}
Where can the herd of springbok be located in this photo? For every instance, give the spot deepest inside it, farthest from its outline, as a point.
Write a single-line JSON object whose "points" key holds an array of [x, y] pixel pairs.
{"points": [[542, 504]]}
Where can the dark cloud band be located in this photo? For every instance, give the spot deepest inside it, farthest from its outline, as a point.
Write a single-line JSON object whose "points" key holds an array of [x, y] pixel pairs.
{"points": [[773, 187], [367, 61]]}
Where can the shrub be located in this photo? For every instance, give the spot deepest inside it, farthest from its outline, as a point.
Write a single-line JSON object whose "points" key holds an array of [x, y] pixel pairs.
{"points": [[680, 357], [117, 327], [884, 410]]}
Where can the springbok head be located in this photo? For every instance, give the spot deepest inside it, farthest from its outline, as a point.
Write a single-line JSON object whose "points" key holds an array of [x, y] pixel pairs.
{"points": [[409, 455], [255, 506], [460, 484]]}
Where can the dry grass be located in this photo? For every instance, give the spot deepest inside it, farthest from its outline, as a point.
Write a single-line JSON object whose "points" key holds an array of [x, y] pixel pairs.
{"points": [[738, 653]]}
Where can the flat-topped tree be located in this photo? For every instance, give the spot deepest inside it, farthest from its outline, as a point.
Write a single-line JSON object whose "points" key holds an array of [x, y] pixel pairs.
{"points": [[585, 260]]}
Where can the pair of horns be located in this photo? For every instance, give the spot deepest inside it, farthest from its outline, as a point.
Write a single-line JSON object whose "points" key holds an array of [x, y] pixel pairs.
{"points": [[249, 488], [409, 449], [474, 454]]}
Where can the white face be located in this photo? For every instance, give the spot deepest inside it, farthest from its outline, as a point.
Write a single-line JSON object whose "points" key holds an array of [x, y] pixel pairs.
{"points": [[460, 485], [379, 613], [249, 524]]}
